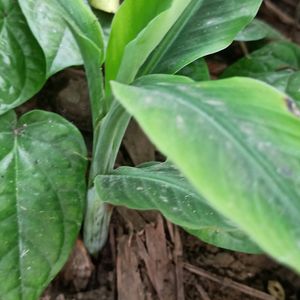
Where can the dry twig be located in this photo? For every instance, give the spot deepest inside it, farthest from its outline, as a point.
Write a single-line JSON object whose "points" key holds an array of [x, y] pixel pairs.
{"points": [[279, 13], [229, 283], [202, 292]]}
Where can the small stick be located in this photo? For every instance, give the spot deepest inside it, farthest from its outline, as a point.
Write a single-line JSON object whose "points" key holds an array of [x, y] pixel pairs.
{"points": [[202, 292], [244, 48], [229, 283], [277, 11]]}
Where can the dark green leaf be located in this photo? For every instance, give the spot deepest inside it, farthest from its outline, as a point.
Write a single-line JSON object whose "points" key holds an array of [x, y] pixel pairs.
{"points": [[63, 27], [277, 64], [238, 142], [162, 187], [54, 24], [22, 66], [197, 70], [42, 191], [204, 28]]}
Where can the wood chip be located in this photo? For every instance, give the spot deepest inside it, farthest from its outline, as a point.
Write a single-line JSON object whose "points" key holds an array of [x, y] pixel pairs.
{"points": [[79, 268], [157, 259], [138, 146], [129, 281]]}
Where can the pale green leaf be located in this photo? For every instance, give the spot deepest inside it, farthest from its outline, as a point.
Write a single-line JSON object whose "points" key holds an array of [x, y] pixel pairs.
{"points": [[110, 6], [238, 142]]}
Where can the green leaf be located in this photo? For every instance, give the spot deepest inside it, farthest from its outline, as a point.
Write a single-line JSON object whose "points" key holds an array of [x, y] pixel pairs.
{"points": [[161, 187], [168, 35], [197, 70], [204, 28], [137, 29], [258, 30], [22, 66], [277, 63], [238, 142], [55, 21], [42, 191]]}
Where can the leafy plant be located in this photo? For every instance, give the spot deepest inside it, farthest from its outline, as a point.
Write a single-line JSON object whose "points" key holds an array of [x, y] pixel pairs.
{"points": [[231, 177]]}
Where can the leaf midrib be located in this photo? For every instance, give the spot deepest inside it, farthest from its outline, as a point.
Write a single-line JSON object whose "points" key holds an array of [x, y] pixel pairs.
{"points": [[19, 227]]}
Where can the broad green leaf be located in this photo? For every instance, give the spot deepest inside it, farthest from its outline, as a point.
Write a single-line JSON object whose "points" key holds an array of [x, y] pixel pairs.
{"points": [[42, 191], [137, 29], [204, 28], [162, 187], [277, 63], [22, 66], [238, 142], [110, 6], [258, 30], [55, 21]]}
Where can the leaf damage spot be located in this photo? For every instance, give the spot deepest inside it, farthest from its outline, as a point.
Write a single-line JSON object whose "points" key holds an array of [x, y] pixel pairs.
{"points": [[20, 130], [292, 107]]}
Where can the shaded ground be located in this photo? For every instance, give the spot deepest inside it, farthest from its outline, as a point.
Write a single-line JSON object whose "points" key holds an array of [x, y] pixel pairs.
{"points": [[146, 257]]}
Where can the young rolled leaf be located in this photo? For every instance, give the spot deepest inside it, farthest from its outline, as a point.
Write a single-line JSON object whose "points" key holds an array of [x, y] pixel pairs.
{"points": [[238, 142], [42, 192], [22, 65], [161, 187], [110, 6], [277, 64], [137, 29]]}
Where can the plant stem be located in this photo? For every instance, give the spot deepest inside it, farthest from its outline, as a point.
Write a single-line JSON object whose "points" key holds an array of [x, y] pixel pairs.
{"points": [[108, 135]]}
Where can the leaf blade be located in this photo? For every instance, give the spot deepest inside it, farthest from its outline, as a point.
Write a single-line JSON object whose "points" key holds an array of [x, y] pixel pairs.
{"points": [[22, 67], [240, 150], [42, 194], [162, 187]]}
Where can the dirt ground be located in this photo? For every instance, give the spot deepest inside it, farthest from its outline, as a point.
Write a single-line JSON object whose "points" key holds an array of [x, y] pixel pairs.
{"points": [[146, 257]]}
